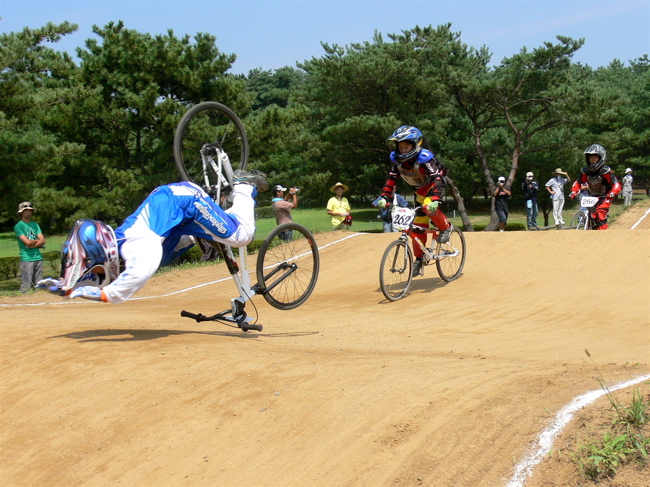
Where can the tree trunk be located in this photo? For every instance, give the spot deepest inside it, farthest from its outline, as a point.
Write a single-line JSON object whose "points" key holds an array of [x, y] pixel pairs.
{"points": [[461, 204]]}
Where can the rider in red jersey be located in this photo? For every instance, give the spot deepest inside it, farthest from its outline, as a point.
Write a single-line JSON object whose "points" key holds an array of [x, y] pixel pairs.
{"points": [[601, 182], [419, 168]]}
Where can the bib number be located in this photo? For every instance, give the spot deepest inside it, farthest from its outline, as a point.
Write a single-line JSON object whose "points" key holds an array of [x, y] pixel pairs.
{"points": [[402, 218], [588, 201]]}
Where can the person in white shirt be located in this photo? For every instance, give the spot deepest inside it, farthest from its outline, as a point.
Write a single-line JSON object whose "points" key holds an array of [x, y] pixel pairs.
{"points": [[555, 186]]}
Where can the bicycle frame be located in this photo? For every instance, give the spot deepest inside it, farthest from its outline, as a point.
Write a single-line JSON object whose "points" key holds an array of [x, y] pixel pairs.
{"points": [[206, 138], [397, 269], [223, 164], [403, 220], [586, 203]]}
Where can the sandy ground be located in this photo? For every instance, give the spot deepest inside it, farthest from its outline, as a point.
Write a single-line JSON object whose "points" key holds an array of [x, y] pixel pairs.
{"points": [[448, 387]]}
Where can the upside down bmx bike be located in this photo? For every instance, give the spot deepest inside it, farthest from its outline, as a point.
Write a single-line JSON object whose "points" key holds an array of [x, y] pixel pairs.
{"points": [[210, 143]]}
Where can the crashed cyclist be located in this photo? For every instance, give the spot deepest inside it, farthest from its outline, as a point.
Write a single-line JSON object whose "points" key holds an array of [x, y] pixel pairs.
{"points": [[600, 181], [419, 168], [152, 236]]}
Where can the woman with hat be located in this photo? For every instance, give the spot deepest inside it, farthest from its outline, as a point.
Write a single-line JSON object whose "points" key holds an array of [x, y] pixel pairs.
{"points": [[627, 187], [555, 186], [338, 206]]}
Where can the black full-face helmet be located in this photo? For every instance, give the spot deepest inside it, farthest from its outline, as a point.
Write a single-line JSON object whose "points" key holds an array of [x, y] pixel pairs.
{"points": [[599, 150], [406, 133]]}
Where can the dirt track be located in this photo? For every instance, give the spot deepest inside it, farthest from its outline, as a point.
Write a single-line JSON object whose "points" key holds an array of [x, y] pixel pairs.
{"points": [[448, 387]]}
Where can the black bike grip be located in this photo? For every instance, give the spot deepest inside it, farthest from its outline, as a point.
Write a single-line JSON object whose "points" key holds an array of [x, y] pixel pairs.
{"points": [[245, 327], [187, 314]]}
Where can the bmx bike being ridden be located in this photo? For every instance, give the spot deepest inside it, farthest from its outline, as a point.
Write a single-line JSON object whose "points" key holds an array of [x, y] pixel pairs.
{"points": [[396, 271], [582, 220], [210, 144]]}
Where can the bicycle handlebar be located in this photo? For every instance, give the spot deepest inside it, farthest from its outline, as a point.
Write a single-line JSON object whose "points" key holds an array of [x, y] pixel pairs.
{"points": [[241, 321], [198, 317]]}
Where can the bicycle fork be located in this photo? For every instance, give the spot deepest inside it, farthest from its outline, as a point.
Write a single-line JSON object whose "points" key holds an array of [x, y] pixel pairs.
{"points": [[242, 281]]}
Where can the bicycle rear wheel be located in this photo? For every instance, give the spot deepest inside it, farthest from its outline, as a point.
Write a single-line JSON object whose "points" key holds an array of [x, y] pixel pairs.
{"points": [[451, 256], [579, 221], [206, 130], [287, 266], [396, 271]]}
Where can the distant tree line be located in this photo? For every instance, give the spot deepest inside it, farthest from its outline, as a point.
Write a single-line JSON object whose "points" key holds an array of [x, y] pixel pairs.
{"points": [[92, 139]]}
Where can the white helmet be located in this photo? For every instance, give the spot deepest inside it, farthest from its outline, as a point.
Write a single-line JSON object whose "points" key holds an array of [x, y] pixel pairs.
{"points": [[90, 256]]}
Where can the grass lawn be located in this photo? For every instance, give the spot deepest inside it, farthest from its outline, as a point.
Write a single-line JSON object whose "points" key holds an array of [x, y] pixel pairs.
{"points": [[316, 220]]}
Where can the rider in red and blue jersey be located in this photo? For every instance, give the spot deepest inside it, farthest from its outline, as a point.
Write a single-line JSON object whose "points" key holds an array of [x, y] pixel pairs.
{"points": [[419, 168]]}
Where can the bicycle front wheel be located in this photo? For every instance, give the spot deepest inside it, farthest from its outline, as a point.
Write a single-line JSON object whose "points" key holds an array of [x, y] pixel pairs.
{"points": [[396, 271], [451, 256], [206, 130], [287, 266], [579, 221]]}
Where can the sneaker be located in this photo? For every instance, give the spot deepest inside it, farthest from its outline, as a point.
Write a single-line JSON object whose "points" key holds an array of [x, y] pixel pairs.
{"points": [[417, 268], [254, 178], [443, 237]]}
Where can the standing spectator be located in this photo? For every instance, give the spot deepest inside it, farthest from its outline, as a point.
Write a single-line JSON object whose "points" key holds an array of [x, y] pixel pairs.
{"points": [[501, 195], [627, 187], [282, 206], [386, 214], [555, 186], [338, 207], [30, 241], [530, 188]]}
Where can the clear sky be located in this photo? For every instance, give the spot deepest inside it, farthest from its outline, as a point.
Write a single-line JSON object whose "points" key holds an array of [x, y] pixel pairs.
{"points": [[270, 34]]}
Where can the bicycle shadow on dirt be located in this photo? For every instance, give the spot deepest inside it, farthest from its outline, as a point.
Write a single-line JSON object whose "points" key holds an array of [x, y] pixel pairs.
{"points": [[423, 285], [131, 335]]}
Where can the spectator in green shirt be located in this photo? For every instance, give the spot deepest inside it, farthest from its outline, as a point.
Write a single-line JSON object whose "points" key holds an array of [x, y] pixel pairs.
{"points": [[30, 241]]}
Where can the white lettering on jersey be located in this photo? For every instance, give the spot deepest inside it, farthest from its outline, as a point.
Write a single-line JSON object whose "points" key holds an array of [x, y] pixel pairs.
{"points": [[208, 216]]}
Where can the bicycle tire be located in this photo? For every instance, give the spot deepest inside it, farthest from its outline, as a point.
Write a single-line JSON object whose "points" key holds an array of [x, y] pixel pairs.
{"points": [[396, 270], [579, 221], [213, 123], [450, 268], [287, 272]]}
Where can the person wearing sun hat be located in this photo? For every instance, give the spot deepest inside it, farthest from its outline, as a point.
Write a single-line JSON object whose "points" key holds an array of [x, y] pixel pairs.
{"points": [[627, 187], [338, 206], [555, 186], [30, 242]]}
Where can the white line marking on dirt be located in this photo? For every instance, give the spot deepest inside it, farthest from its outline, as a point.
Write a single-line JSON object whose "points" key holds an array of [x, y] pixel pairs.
{"points": [[640, 219], [545, 440], [175, 292]]}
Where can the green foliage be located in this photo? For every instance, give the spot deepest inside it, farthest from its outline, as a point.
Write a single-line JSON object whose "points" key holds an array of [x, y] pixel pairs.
{"points": [[9, 267], [603, 459], [273, 87], [93, 140], [624, 443]]}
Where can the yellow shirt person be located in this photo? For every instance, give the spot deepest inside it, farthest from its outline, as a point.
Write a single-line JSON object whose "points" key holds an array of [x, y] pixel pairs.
{"points": [[338, 207]]}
